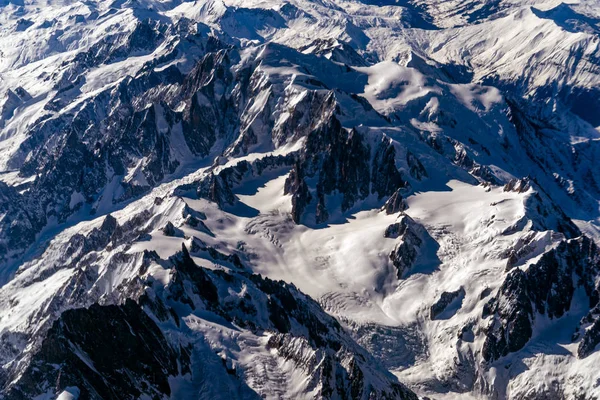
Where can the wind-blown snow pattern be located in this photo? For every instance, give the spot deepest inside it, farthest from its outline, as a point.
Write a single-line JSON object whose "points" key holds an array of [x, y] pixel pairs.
{"points": [[299, 199]]}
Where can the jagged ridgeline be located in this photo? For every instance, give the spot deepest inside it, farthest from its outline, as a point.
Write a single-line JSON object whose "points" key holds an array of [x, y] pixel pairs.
{"points": [[143, 346], [299, 200]]}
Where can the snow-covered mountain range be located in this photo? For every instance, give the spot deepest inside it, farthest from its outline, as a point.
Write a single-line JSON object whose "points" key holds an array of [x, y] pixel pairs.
{"points": [[299, 199]]}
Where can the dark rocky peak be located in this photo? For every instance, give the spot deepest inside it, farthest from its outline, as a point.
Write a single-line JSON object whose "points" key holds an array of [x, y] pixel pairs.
{"points": [[335, 50], [71, 167], [405, 225], [146, 35], [329, 378], [339, 161], [416, 169], [458, 154], [287, 309], [148, 87], [171, 230], [546, 288], [588, 332], [23, 24], [109, 225], [518, 185], [297, 322], [93, 266], [521, 251], [256, 122], [194, 218], [17, 223], [78, 154], [511, 326], [589, 327], [285, 107], [112, 110], [212, 68], [414, 247], [463, 158], [104, 238], [11, 101], [99, 238], [216, 189], [385, 177], [545, 214], [230, 261], [217, 93], [143, 134], [92, 349], [134, 228], [77, 19], [22, 94], [143, 39], [297, 187], [395, 203], [305, 116], [116, 133], [82, 252], [201, 284], [440, 309], [107, 352]]}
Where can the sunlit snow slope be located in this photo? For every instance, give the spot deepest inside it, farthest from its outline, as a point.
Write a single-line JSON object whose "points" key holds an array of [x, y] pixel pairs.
{"points": [[299, 199]]}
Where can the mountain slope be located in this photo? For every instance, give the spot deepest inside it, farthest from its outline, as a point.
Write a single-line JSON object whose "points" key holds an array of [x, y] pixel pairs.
{"points": [[183, 172]]}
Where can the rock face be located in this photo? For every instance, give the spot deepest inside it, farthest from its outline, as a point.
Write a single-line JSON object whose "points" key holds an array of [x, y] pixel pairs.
{"points": [[18, 225], [106, 352], [336, 162], [140, 347], [218, 187], [156, 155], [170, 230], [341, 162], [446, 298], [545, 288], [335, 50], [518, 185], [517, 311], [395, 203], [590, 339], [12, 100], [411, 240], [416, 168]]}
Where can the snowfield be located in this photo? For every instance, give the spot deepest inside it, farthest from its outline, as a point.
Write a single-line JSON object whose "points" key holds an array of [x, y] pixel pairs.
{"points": [[299, 199]]}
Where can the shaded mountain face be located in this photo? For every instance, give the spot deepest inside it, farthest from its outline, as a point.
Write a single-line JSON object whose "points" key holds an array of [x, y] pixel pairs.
{"points": [[143, 346], [305, 199]]}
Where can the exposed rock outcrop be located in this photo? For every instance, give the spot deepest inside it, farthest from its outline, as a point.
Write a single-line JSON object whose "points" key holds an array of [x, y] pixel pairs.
{"points": [[446, 298], [107, 352], [149, 346], [546, 288], [411, 239], [341, 162]]}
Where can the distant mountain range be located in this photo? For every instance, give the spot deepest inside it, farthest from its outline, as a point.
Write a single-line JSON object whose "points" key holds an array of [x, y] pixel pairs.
{"points": [[303, 199]]}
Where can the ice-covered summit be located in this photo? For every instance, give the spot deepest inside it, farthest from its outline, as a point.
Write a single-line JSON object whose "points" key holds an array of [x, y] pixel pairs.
{"points": [[299, 199]]}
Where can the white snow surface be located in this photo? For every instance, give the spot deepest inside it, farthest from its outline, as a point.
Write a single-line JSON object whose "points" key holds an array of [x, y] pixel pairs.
{"points": [[344, 264]]}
